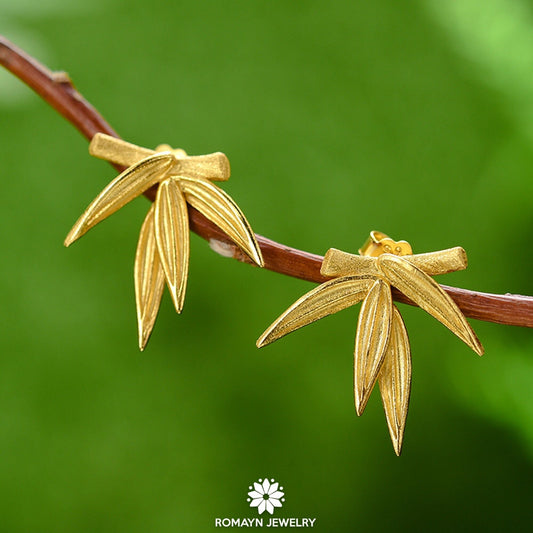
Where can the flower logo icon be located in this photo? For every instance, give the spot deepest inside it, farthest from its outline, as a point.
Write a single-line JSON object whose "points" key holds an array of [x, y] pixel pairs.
{"points": [[265, 495]]}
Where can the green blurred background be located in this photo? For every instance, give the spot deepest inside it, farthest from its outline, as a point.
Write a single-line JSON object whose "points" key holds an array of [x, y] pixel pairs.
{"points": [[414, 118]]}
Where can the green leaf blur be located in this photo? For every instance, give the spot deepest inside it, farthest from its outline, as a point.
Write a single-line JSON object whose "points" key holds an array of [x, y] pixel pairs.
{"points": [[413, 118]]}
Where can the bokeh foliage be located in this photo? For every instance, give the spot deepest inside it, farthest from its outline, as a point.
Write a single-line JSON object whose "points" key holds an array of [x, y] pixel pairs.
{"points": [[413, 118]]}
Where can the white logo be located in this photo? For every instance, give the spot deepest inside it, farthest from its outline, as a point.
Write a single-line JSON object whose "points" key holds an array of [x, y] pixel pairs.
{"points": [[266, 496]]}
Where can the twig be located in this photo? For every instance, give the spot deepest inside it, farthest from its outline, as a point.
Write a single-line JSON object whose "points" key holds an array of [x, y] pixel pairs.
{"points": [[57, 89]]}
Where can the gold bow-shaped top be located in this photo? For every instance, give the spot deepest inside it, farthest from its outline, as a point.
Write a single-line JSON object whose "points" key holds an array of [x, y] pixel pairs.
{"points": [[163, 248], [382, 351]]}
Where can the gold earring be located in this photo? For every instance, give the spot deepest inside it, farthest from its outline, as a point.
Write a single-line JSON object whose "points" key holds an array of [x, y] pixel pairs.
{"points": [[163, 248], [382, 351]]}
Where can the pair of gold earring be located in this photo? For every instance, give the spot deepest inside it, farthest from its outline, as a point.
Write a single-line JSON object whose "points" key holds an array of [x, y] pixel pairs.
{"points": [[382, 351]]}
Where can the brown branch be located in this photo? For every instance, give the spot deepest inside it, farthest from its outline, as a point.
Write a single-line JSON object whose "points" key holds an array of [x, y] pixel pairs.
{"points": [[57, 89]]}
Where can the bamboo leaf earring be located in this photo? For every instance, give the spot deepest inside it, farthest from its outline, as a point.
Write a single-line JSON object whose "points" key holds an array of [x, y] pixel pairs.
{"points": [[163, 248], [382, 353]]}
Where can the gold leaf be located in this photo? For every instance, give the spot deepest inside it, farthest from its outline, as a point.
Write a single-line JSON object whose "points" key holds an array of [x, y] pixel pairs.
{"points": [[210, 166], [371, 342], [149, 279], [213, 166], [116, 150], [219, 207], [172, 237], [339, 263], [324, 300], [428, 294], [124, 188], [395, 380]]}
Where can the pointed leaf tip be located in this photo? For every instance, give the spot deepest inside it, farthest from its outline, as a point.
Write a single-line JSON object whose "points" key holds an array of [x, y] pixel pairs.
{"points": [[125, 187], [219, 207], [373, 330], [395, 380], [326, 299], [149, 279], [428, 295], [171, 220]]}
